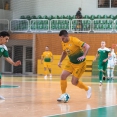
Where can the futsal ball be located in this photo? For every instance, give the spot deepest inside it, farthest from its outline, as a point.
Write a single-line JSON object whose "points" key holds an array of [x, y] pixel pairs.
{"points": [[66, 97]]}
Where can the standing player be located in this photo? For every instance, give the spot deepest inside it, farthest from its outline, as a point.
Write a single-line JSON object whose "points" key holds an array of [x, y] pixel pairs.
{"points": [[47, 57], [73, 47], [111, 64], [4, 37], [103, 54]]}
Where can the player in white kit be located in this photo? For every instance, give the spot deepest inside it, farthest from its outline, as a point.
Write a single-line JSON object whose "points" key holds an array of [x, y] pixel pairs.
{"points": [[111, 64]]}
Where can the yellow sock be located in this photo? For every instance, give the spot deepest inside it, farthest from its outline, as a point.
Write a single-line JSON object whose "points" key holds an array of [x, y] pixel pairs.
{"points": [[63, 86], [82, 86], [45, 72]]}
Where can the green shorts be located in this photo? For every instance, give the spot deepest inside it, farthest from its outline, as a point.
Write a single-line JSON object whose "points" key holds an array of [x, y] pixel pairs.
{"points": [[102, 66]]}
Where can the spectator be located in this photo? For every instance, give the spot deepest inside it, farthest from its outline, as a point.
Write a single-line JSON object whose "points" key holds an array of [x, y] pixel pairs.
{"points": [[79, 14]]}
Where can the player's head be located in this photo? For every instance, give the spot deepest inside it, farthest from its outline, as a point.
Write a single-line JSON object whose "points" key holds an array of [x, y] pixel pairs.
{"points": [[4, 37], [64, 36], [103, 43], [46, 48], [80, 9]]}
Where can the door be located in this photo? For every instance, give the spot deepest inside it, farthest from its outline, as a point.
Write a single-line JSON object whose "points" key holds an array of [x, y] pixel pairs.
{"points": [[18, 55], [28, 59]]}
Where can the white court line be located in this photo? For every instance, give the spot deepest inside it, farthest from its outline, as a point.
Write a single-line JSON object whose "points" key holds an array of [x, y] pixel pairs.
{"points": [[80, 111]]}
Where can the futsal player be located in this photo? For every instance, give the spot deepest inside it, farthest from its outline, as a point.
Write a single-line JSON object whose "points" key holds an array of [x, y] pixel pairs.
{"points": [[4, 37], [111, 64], [76, 50], [103, 53], [46, 59]]}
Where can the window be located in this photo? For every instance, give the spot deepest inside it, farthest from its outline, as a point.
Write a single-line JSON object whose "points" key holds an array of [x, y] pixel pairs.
{"points": [[107, 3]]}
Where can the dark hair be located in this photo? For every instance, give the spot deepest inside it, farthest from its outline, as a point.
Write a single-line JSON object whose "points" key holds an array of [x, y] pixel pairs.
{"points": [[63, 32], [4, 34]]}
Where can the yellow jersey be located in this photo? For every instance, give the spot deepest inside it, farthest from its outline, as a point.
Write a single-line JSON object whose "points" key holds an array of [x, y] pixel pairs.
{"points": [[47, 55], [73, 49]]}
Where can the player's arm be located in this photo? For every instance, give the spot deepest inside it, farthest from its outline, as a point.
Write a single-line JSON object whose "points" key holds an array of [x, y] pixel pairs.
{"points": [[109, 55], [96, 56], [8, 59], [17, 63], [52, 58], [63, 55], [86, 49], [42, 59]]}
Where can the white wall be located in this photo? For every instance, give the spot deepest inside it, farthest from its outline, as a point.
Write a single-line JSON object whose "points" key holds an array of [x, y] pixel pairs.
{"points": [[22, 7], [57, 7], [6, 14]]}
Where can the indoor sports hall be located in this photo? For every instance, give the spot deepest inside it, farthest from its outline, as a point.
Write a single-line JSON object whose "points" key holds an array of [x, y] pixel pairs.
{"points": [[30, 90]]}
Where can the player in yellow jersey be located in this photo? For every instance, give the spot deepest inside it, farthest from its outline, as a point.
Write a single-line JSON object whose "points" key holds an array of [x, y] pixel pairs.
{"points": [[46, 59], [76, 50]]}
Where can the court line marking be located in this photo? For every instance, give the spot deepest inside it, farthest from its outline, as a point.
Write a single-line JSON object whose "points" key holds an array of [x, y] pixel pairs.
{"points": [[12, 86], [80, 111]]}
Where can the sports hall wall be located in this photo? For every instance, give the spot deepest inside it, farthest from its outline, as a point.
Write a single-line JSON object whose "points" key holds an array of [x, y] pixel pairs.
{"points": [[54, 42], [57, 7]]}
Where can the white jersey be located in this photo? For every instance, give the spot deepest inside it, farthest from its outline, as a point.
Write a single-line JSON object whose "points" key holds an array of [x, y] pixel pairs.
{"points": [[111, 60]]}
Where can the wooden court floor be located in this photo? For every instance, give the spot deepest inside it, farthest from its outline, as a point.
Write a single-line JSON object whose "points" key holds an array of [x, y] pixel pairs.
{"points": [[32, 96]]}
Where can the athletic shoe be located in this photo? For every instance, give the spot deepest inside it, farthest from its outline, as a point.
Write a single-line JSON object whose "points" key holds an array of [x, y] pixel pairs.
{"points": [[50, 76], [61, 98], [2, 98], [100, 84], [45, 77], [104, 77], [89, 92]]}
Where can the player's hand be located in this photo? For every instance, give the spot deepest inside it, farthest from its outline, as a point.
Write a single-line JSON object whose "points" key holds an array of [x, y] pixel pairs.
{"points": [[81, 58], [59, 64], [17, 63], [104, 60], [94, 60]]}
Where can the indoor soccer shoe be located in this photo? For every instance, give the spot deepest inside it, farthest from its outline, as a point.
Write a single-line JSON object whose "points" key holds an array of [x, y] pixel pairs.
{"points": [[50, 76], [89, 92], [2, 98], [104, 77], [45, 77], [100, 84], [61, 98]]}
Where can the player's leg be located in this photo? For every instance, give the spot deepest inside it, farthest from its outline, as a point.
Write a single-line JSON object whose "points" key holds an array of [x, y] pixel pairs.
{"points": [[108, 70], [112, 69], [63, 83], [1, 97], [111, 73], [0, 80], [100, 68], [45, 73], [104, 70], [49, 69], [45, 70], [108, 73], [77, 73]]}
